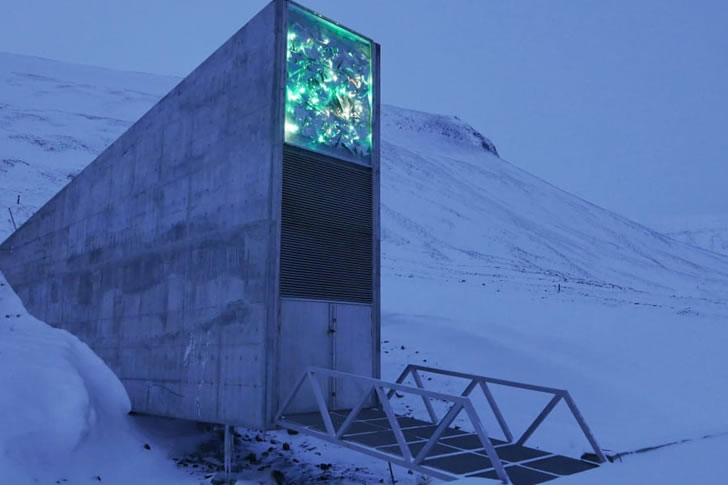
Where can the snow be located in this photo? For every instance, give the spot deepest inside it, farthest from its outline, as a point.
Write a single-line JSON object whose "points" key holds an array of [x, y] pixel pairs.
{"points": [[486, 269], [63, 413], [707, 231], [530, 283], [54, 119], [638, 373], [700, 462], [452, 208]]}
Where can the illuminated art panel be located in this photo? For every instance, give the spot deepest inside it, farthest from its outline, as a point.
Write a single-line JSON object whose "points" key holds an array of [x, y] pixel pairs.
{"points": [[328, 88]]}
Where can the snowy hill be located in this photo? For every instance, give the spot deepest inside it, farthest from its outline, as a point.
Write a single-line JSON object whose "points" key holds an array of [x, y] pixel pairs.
{"points": [[705, 231], [520, 279], [54, 119], [467, 213], [448, 201]]}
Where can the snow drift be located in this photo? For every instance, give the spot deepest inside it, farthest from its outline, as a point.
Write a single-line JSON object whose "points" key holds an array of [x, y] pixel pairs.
{"points": [[63, 412], [55, 390]]}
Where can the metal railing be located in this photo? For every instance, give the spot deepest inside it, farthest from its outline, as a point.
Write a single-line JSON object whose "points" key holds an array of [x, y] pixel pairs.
{"points": [[482, 382], [383, 391]]}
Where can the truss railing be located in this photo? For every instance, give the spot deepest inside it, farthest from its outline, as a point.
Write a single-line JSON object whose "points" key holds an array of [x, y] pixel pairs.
{"points": [[482, 382], [380, 388]]}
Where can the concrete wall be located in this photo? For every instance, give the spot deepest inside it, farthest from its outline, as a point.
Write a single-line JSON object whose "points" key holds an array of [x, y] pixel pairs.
{"points": [[161, 254], [376, 209]]}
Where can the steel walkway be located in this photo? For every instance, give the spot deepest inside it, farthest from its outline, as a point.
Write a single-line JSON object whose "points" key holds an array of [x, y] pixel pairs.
{"points": [[436, 447]]}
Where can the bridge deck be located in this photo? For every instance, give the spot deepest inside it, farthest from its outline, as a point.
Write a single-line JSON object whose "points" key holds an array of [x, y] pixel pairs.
{"points": [[456, 454]]}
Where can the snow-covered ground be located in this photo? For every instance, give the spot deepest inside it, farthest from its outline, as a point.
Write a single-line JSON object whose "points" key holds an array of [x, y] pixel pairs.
{"points": [[486, 269], [694, 463]]}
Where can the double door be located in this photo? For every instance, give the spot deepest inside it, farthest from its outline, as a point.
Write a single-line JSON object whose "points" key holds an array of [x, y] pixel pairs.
{"points": [[331, 335]]}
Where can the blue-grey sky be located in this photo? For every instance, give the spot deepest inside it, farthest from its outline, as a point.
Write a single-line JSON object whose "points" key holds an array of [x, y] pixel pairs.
{"points": [[622, 102]]}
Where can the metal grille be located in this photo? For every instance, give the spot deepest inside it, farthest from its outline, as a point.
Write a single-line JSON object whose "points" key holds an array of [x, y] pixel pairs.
{"points": [[326, 228]]}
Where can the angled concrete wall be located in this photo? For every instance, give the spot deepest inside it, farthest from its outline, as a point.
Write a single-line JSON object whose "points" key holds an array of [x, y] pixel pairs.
{"points": [[161, 254]]}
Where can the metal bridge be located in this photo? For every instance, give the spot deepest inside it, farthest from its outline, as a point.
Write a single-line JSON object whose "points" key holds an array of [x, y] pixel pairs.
{"points": [[434, 446]]}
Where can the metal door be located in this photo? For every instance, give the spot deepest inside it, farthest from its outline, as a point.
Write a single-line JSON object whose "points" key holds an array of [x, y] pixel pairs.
{"points": [[353, 351], [324, 334], [304, 340]]}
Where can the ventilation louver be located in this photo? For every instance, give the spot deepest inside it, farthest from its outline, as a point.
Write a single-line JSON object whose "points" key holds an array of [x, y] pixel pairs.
{"points": [[326, 229]]}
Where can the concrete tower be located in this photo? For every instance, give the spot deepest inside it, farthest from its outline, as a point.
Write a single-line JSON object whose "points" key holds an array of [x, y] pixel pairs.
{"points": [[230, 237]]}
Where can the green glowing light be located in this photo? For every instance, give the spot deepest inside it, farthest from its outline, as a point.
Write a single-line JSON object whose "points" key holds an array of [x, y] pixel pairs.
{"points": [[329, 97]]}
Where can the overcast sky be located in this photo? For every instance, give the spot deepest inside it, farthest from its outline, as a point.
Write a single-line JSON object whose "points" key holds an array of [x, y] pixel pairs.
{"points": [[622, 102]]}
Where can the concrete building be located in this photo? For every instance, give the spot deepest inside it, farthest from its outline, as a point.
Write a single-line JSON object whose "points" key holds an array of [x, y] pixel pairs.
{"points": [[230, 237]]}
